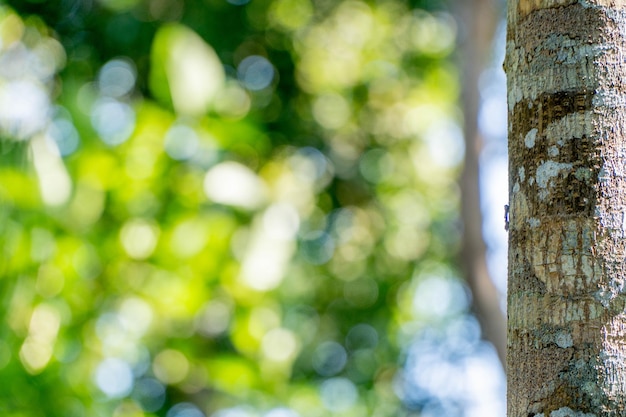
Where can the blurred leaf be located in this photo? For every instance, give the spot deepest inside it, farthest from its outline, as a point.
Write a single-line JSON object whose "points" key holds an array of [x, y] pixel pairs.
{"points": [[186, 72]]}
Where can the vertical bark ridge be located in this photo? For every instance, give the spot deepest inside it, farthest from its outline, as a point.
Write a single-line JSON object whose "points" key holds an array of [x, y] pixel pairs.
{"points": [[567, 111]]}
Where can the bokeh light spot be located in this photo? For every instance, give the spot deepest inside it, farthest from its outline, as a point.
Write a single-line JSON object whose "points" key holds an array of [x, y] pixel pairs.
{"points": [[43, 244], [192, 69], [150, 394], [170, 366], [439, 297], [128, 409], [279, 345], [189, 237], [291, 14], [493, 108], [139, 238], [329, 358], [136, 316], [433, 33], [234, 184], [262, 319], [338, 394], [55, 183], [107, 325], [113, 120], [241, 411], [184, 410], [448, 365], [332, 111], [140, 162], [255, 72], [375, 165], [233, 101], [311, 165], [24, 107], [317, 247], [264, 265], [281, 412], [114, 378], [281, 221], [50, 281], [181, 142], [361, 336], [214, 318], [445, 143], [64, 135], [35, 355], [117, 78], [37, 349]]}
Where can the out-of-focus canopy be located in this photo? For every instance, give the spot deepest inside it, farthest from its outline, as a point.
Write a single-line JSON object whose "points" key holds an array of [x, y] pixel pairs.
{"points": [[231, 208]]}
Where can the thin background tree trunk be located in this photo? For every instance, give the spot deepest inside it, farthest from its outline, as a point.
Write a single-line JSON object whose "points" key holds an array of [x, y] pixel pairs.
{"points": [[566, 75], [479, 19]]}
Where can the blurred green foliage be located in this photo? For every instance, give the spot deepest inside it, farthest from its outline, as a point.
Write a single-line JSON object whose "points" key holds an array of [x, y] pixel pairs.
{"points": [[224, 208]]}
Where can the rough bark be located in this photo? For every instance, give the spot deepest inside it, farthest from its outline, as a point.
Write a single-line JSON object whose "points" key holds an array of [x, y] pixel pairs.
{"points": [[566, 74], [479, 18]]}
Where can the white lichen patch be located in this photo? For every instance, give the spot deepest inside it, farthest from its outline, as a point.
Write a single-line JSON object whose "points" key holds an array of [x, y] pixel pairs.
{"points": [[574, 312], [553, 151], [534, 222], [548, 170], [580, 75], [573, 125], [515, 56], [608, 98], [591, 388], [603, 296], [516, 187], [583, 174], [568, 263], [568, 412], [587, 267], [563, 340], [530, 138], [518, 210], [514, 95], [522, 174], [570, 239], [594, 312]]}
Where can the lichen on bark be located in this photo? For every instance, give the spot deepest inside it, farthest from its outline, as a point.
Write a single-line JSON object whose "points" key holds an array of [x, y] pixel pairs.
{"points": [[567, 172]]}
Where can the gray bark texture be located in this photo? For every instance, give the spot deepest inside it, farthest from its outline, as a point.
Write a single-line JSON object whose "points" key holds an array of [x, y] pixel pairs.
{"points": [[566, 70]]}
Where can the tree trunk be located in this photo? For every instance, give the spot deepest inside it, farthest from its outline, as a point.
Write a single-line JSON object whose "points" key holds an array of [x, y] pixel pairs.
{"points": [[480, 19], [566, 97]]}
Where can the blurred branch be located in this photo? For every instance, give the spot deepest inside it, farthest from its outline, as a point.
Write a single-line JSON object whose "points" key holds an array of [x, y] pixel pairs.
{"points": [[479, 19]]}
